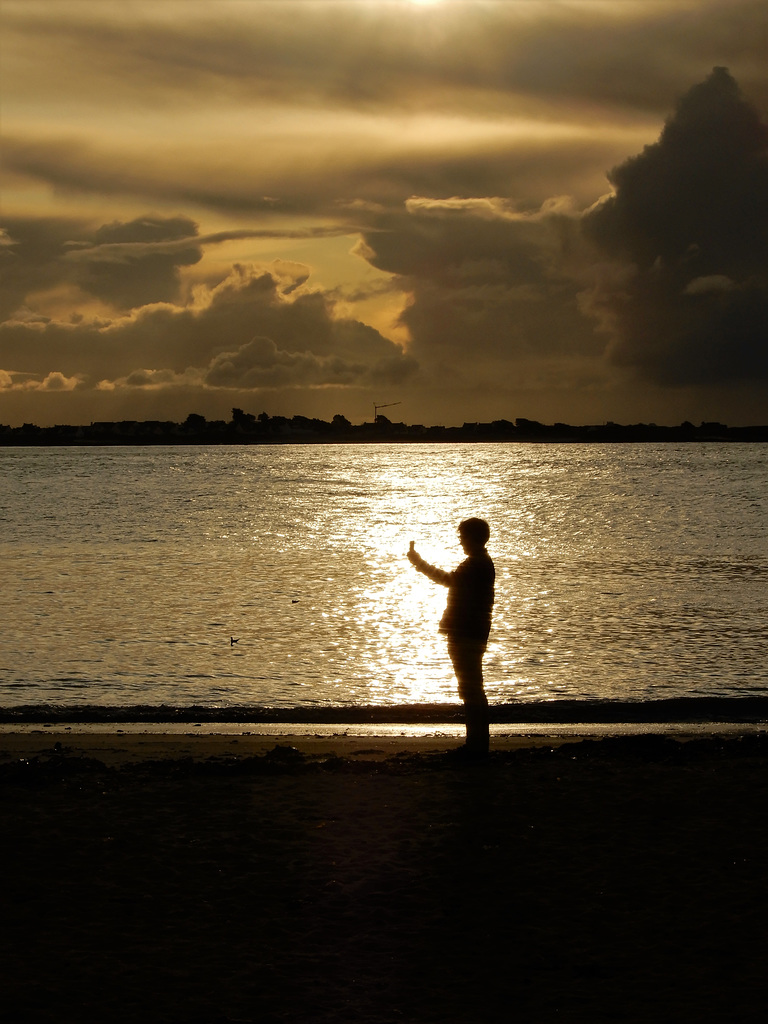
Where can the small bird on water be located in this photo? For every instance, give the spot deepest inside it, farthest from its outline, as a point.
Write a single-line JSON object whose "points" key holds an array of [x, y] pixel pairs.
{"points": [[233, 641]]}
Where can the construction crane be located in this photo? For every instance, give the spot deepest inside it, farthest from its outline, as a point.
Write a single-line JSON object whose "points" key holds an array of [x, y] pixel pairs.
{"points": [[376, 408]]}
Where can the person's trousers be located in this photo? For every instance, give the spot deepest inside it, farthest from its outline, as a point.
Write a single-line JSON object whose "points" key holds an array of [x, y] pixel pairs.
{"points": [[467, 660]]}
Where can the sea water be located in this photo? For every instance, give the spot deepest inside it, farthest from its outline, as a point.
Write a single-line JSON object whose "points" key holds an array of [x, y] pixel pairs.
{"points": [[624, 572]]}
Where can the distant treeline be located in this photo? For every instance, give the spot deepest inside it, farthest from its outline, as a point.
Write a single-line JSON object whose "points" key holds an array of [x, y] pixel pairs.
{"points": [[245, 428]]}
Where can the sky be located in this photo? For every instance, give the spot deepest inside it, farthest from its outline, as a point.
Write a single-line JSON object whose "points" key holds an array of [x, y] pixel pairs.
{"points": [[477, 209]]}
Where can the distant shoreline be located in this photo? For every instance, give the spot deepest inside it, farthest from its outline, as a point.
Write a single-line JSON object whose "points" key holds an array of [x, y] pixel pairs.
{"points": [[245, 429]]}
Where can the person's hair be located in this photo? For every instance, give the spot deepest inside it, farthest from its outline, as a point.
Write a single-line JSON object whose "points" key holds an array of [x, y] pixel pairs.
{"points": [[477, 531]]}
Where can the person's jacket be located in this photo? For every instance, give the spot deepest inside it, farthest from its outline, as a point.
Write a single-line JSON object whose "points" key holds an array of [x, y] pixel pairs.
{"points": [[470, 596]]}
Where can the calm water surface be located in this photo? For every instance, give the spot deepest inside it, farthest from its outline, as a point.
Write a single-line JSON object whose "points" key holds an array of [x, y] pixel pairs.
{"points": [[623, 572]]}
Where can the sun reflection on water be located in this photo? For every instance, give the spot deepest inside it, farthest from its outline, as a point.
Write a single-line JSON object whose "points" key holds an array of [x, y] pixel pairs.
{"points": [[621, 572]]}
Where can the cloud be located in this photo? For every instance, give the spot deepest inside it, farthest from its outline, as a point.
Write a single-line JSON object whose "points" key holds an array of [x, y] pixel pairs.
{"points": [[673, 266], [53, 381], [688, 221], [31, 257], [492, 293], [240, 108], [137, 263], [256, 329], [164, 137], [710, 283], [260, 363], [377, 56], [126, 264], [56, 381], [352, 162]]}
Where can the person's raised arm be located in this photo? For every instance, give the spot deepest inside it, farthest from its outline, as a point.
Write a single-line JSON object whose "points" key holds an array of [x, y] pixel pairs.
{"points": [[430, 571]]}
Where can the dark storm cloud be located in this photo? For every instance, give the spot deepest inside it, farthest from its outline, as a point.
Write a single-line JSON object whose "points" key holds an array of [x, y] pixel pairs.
{"points": [[126, 264], [301, 343], [490, 287], [137, 263], [688, 223], [678, 259], [31, 256]]}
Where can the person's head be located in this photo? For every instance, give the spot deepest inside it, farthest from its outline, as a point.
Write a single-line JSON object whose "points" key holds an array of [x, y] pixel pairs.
{"points": [[474, 534]]}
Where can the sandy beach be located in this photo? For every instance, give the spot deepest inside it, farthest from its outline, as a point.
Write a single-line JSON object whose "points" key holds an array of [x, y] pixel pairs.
{"points": [[217, 878]]}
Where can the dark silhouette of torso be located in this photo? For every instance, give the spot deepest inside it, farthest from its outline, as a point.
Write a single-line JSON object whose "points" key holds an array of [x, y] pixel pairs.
{"points": [[470, 599]]}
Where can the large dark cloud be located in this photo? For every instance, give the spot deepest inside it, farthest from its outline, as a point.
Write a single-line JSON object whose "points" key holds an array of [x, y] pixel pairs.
{"points": [[253, 331], [137, 263], [677, 258], [127, 264], [31, 257], [687, 228], [491, 288]]}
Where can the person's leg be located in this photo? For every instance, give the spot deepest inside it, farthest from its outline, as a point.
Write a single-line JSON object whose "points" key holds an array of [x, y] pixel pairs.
{"points": [[467, 659], [478, 729]]}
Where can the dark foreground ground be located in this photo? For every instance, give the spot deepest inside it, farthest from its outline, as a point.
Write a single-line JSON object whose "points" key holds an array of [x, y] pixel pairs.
{"points": [[621, 880]]}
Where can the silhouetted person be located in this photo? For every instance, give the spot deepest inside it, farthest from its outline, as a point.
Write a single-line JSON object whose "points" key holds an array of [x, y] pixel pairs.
{"points": [[466, 623]]}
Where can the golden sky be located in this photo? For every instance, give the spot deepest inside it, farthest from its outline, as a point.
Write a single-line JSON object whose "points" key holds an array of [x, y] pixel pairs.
{"points": [[481, 209]]}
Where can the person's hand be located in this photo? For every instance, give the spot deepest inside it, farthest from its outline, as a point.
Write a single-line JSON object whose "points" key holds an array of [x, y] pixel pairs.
{"points": [[412, 556]]}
